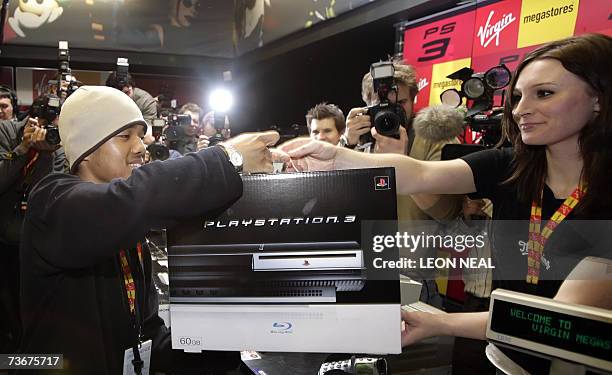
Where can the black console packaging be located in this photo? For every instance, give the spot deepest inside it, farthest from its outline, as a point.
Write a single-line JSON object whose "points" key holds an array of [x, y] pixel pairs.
{"points": [[289, 267]]}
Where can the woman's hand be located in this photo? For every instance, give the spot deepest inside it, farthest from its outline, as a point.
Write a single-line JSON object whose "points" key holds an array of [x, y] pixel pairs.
{"points": [[417, 326]]}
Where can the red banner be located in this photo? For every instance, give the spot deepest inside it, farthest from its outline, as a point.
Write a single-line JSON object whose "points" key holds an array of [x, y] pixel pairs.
{"points": [[440, 41], [501, 33], [496, 28]]}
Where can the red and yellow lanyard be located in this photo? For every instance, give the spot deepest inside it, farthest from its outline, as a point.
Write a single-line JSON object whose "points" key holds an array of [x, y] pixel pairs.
{"points": [[32, 157], [537, 238], [130, 286]]}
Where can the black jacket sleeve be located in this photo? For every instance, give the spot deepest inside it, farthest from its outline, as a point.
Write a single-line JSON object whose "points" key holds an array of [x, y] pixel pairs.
{"points": [[11, 165], [77, 224]]}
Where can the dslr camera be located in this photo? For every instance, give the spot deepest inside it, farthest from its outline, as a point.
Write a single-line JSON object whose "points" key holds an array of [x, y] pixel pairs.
{"points": [[179, 128], [158, 150], [175, 128], [47, 107], [387, 117]]}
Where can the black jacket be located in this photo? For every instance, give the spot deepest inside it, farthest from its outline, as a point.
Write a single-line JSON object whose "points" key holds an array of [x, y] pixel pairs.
{"points": [[13, 183], [73, 299]]}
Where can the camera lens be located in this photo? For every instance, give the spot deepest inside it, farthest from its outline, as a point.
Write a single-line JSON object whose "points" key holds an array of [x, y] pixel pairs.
{"points": [[157, 151], [473, 88], [451, 97], [386, 122], [497, 77]]}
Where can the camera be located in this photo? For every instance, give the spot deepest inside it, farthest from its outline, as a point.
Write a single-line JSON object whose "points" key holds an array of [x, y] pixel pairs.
{"points": [[47, 107], [158, 150], [479, 90], [179, 128], [386, 117], [66, 83], [63, 57]]}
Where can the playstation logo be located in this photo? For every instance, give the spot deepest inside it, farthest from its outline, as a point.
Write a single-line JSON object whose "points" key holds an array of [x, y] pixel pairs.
{"points": [[381, 183]]}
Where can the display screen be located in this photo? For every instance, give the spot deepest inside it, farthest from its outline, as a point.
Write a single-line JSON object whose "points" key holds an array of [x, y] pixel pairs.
{"points": [[580, 335]]}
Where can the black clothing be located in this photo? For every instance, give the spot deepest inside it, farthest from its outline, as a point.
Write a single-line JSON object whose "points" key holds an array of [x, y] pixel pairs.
{"points": [[13, 188], [574, 239], [183, 147], [73, 298], [13, 183]]}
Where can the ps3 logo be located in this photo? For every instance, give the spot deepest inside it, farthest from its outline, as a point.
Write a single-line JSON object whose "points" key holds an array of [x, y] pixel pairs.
{"points": [[282, 326], [381, 183]]}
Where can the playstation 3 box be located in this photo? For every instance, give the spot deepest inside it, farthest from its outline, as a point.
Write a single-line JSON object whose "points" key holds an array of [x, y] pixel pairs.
{"points": [[289, 267]]}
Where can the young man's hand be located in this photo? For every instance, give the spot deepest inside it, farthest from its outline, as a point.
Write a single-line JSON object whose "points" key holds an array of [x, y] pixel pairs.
{"points": [[254, 149]]}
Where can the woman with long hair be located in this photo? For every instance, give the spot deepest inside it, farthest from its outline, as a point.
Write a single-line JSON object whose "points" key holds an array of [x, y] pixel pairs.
{"points": [[556, 175]]}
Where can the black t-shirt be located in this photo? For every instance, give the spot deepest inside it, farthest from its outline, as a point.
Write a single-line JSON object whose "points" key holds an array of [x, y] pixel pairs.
{"points": [[574, 239]]}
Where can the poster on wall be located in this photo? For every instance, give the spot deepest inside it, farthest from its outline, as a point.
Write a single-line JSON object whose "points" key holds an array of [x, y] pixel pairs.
{"points": [[195, 27], [214, 28], [501, 32], [259, 22]]}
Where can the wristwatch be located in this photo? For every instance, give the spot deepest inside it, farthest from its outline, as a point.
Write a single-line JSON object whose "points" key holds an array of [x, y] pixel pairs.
{"points": [[344, 142], [234, 156]]}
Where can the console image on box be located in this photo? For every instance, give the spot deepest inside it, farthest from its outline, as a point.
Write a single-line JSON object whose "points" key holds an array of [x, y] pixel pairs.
{"points": [[266, 273], [288, 267]]}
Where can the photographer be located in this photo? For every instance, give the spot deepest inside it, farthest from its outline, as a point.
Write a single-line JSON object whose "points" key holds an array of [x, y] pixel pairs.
{"points": [[8, 103], [25, 158], [422, 137], [559, 122], [189, 142], [87, 290]]}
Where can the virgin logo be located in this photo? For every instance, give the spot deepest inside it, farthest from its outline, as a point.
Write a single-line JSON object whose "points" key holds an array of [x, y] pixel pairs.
{"points": [[488, 32], [422, 83]]}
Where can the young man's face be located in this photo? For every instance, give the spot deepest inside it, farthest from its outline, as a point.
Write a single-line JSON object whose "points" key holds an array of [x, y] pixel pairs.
{"points": [[324, 130], [116, 158], [6, 109]]}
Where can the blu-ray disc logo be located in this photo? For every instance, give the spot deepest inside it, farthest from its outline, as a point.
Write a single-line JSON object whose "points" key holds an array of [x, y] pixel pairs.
{"points": [[281, 327], [284, 326]]}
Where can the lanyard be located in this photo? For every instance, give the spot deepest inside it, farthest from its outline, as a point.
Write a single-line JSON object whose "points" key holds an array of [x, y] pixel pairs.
{"points": [[130, 289], [128, 279], [537, 238], [32, 157]]}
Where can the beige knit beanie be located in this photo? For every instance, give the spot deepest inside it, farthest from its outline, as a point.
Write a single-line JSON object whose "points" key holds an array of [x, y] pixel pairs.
{"points": [[91, 116]]}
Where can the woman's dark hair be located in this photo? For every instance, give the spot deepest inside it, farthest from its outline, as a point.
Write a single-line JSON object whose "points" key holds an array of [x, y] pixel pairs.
{"points": [[589, 57]]}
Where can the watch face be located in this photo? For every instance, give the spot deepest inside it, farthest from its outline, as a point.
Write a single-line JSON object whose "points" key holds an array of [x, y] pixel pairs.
{"points": [[236, 159]]}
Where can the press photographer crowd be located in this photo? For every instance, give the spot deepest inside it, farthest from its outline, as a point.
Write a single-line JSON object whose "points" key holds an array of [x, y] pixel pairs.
{"points": [[89, 173]]}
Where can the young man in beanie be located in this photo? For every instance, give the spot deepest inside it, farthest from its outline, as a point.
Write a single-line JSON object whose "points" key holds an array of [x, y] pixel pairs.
{"points": [[86, 284]]}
